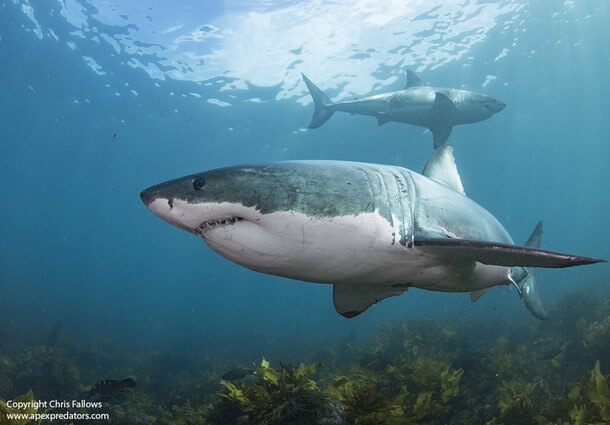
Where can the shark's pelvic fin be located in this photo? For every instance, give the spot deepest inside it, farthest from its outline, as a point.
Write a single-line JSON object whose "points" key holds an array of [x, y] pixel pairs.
{"points": [[441, 168], [351, 300], [500, 254], [413, 80], [475, 295], [382, 119], [323, 110], [442, 119], [525, 279]]}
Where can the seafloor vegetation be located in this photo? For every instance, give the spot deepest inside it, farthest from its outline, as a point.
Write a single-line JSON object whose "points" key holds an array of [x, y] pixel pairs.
{"points": [[472, 371]]}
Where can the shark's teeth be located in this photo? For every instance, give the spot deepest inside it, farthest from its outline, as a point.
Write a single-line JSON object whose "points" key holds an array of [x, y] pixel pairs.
{"points": [[212, 224]]}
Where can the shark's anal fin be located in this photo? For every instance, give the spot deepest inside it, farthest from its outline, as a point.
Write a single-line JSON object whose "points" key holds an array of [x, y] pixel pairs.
{"points": [[442, 119], [441, 168], [500, 254], [352, 299], [413, 80], [475, 295]]}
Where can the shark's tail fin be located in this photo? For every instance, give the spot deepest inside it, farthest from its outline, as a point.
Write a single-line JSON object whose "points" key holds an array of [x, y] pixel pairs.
{"points": [[524, 279], [322, 112]]}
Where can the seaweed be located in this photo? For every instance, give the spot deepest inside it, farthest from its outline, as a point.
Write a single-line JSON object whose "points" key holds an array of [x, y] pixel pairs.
{"points": [[29, 409], [591, 399], [412, 371], [283, 395]]}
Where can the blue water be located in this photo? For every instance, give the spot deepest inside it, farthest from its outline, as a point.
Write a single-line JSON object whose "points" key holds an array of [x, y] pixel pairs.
{"points": [[102, 99]]}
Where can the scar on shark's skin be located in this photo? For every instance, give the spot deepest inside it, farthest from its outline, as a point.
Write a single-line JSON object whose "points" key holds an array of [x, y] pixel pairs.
{"points": [[301, 220], [437, 108]]}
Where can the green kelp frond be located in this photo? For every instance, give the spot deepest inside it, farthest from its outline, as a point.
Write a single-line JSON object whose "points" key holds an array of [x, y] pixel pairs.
{"points": [[282, 395], [591, 398], [517, 395], [29, 410], [596, 335], [231, 392], [364, 401], [450, 382]]}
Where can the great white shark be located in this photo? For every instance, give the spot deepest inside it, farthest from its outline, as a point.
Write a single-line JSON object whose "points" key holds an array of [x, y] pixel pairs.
{"points": [[372, 231], [436, 108]]}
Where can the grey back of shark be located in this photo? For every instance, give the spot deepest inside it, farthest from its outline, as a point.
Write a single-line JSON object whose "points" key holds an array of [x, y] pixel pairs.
{"points": [[436, 108], [372, 231]]}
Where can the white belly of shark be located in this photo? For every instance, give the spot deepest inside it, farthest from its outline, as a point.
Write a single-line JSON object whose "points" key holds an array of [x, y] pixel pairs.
{"points": [[347, 250], [311, 221]]}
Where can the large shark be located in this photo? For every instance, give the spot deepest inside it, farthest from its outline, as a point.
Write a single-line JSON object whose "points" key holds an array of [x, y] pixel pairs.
{"points": [[436, 108], [372, 231]]}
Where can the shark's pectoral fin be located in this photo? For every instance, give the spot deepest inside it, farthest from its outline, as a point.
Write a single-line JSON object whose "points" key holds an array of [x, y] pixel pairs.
{"points": [[352, 299], [382, 119], [475, 295], [441, 125], [440, 134], [499, 254]]}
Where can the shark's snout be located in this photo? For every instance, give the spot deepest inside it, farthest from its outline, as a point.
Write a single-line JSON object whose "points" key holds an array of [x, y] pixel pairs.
{"points": [[147, 196], [495, 106]]}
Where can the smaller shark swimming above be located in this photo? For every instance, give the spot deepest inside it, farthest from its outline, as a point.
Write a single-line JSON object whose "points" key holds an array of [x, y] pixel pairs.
{"points": [[372, 231], [436, 108]]}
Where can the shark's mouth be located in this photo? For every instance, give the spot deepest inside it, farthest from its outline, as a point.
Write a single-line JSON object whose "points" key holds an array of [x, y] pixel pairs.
{"points": [[215, 224]]}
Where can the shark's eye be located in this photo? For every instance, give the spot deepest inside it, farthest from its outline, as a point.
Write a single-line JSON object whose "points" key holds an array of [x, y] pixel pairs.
{"points": [[198, 183]]}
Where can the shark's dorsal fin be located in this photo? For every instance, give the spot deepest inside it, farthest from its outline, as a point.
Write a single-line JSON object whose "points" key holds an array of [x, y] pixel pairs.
{"points": [[413, 80], [441, 168], [475, 295], [352, 299]]}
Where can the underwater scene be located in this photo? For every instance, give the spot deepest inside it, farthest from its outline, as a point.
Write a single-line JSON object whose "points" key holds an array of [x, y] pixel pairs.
{"points": [[349, 212]]}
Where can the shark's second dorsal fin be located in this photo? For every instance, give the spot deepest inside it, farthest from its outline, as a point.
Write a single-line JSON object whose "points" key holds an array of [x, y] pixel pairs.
{"points": [[441, 168], [413, 80], [352, 299]]}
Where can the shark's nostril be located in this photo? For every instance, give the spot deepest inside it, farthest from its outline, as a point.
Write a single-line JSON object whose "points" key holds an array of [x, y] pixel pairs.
{"points": [[170, 202]]}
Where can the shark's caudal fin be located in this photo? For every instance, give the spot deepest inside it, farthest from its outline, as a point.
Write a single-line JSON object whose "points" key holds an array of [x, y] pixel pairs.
{"points": [[442, 119], [322, 112], [524, 279]]}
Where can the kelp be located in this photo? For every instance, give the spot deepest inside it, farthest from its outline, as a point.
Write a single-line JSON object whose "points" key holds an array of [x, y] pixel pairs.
{"points": [[413, 371], [278, 396], [591, 399], [28, 410]]}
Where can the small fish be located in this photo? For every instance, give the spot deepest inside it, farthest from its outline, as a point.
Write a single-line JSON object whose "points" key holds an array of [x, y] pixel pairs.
{"points": [[237, 373], [109, 389]]}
